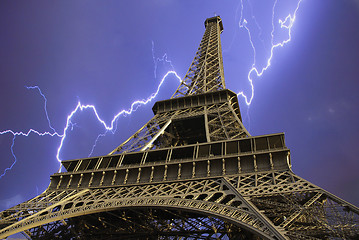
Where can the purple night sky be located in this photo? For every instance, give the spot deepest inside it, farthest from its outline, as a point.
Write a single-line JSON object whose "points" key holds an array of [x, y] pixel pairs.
{"points": [[108, 53]]}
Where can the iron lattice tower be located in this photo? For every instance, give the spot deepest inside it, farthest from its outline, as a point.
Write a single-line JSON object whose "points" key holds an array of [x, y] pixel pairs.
{"points": [[191, 172]]}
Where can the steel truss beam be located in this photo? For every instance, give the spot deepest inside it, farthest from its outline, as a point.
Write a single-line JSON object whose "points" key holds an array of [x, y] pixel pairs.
{"points": [[298, 208], [220, 113], [192, 172]]}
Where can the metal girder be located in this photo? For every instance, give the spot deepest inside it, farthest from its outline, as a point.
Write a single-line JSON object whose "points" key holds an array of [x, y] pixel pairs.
{"points": [[204, 75], [206, 71], [192, 172], [141, 223], [221, 120], [265, 202], [209, 197]]}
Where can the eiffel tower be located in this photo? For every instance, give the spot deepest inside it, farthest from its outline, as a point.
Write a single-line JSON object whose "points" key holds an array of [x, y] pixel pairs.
{"points": [[192, 172]]}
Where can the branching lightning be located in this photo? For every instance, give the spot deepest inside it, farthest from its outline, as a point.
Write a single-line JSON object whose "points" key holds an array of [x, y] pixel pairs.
{"points": [[136, 104], [111, 127], [164, 59], [287, 23], [30, 131]]}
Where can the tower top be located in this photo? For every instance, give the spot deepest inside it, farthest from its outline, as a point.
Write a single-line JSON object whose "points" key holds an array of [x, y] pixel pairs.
{"points": [[214, 19], [206, 71]]}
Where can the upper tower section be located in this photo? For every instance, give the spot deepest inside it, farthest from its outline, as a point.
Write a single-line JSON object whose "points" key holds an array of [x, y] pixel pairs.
{"points": [[206, 71], [201, 110], [216, 19]]}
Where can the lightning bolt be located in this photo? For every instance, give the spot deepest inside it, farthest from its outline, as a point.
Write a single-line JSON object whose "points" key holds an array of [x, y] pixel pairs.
{"points": [[136, 104], [25, 134], [164, 59], [30, 131], [45, 105], [111, 127], [287, 24]]}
